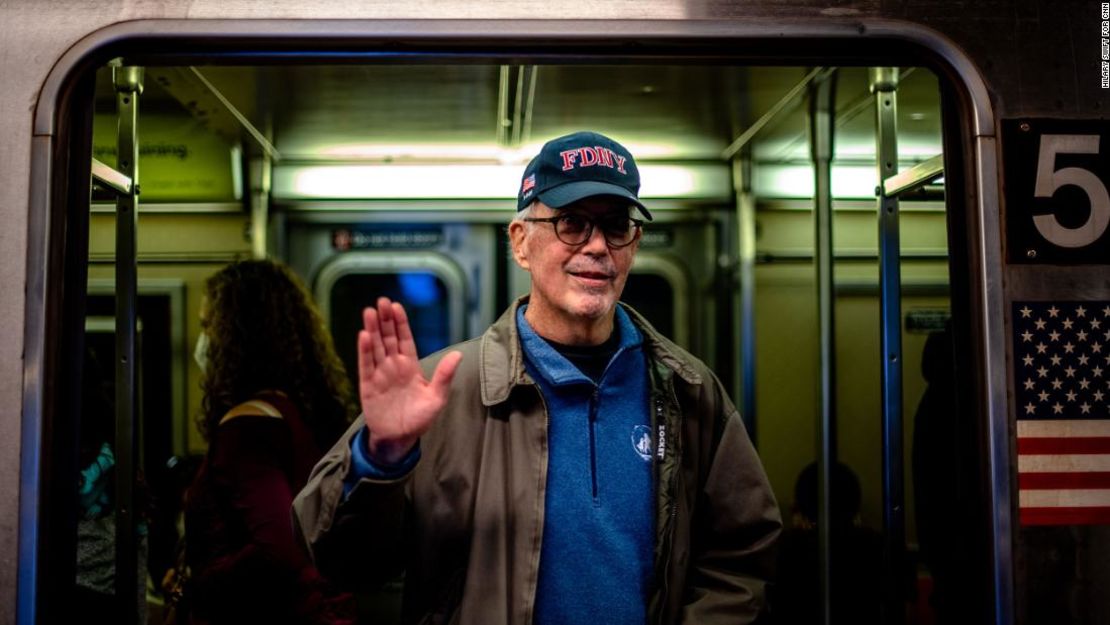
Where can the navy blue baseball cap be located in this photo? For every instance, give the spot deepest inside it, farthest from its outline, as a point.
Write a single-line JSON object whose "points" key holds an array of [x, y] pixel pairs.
{"points": [[577, 166]]}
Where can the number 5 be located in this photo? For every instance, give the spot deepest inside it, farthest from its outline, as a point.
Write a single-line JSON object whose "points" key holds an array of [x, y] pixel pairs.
{"points": [[1050, 179]]}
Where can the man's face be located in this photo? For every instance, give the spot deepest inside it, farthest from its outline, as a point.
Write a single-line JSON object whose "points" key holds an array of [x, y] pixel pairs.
{"points": [[573, 283]]}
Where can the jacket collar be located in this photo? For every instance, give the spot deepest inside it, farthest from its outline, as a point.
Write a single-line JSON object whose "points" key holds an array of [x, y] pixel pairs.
{"points": [[502, 357], [556, 368]]}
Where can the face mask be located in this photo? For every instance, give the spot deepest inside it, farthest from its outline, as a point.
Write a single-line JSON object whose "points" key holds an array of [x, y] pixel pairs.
{"points": [[200, 352]]}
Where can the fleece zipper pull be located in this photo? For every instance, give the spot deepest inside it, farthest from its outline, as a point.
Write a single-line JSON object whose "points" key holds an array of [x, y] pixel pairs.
{"points": [[593, 442]]}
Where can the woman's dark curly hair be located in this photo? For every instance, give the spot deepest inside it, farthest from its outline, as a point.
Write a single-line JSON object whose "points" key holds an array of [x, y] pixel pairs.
{"points": [[264, 333]]}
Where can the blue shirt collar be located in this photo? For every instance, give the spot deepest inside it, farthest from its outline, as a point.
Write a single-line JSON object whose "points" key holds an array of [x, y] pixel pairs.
{"points": [[553, 366]]}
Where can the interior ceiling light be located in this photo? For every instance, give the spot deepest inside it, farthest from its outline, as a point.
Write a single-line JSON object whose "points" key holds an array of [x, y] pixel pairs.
{"points": [[463, 181], [907, 150], [640, 150], [412, 151], [796, 181], [465, 152]]}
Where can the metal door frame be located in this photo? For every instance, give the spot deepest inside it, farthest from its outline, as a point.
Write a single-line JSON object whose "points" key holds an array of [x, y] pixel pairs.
{"points": [[387, 262], [655, 263], [174, 289]]}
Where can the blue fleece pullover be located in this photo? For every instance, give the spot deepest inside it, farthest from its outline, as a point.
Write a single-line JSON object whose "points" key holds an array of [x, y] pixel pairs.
{"points": [[599, 527]]}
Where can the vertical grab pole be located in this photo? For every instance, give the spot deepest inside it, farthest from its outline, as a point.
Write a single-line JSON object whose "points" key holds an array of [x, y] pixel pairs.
{"points": [[260, 176], [884, 84], [745, 328], [129, 85], [822, 112]]}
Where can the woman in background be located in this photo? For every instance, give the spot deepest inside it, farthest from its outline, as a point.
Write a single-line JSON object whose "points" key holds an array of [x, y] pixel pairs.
{"points": [[275, 398]]}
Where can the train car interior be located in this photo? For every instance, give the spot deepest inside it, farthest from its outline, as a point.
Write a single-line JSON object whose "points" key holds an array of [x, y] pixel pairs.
{"points": [[824, 305]]}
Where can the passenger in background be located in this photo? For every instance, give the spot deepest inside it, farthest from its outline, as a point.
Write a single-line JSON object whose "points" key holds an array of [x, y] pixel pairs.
{"points": [[96, 523], [949, 490], [857, 557], [572, 466], [937, 475], [178, 475], [275, 396]]}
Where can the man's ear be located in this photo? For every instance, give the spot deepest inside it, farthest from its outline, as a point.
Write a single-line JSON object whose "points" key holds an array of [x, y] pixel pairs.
{"points": [[518, 238], [635, 245]]}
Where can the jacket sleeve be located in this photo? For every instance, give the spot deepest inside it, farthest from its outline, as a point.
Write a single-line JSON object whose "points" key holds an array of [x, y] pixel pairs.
{"points": [[735, 529], [358, 538]]}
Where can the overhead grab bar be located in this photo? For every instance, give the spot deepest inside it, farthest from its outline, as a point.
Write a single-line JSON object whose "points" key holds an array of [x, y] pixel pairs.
{"points": [[111, 178], [255, 133], [914, 177], [791, 100]]}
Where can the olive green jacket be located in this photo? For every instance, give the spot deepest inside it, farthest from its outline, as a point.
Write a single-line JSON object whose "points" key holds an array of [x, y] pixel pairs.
{"points": [[466, 523]]}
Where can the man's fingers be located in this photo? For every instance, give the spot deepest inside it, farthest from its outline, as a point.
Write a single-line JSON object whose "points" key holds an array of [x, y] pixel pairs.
{"points": [[405, 343], [389, 330], [444, 373], [365, 359], [373, 328]]}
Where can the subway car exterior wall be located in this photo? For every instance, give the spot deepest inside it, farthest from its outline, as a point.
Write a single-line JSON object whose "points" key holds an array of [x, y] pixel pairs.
{"points": [[1038, 60]]}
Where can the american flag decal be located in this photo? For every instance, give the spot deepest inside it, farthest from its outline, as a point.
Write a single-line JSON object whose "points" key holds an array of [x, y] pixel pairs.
{"points": [[1062, 392], [528, 184]]}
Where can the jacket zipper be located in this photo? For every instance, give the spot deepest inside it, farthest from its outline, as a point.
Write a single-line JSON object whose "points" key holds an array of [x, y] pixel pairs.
{"points": [[672, 511], [662, 427], [593, 442]]}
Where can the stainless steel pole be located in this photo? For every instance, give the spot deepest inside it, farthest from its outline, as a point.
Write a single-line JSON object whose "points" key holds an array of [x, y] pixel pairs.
{"points": [[129, 85], [884, 84], [745, 327], [822, 112], [261, 168]]}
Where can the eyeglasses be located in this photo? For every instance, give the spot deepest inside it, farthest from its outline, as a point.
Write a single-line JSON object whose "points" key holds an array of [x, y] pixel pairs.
{"points": [[575, 228]]}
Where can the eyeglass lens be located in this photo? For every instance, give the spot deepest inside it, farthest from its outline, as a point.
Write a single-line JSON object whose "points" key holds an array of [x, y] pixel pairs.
{"points": [[575, 229]]}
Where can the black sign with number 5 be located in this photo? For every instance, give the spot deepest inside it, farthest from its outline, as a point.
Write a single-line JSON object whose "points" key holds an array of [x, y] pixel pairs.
{"points": [[1057, 199]]}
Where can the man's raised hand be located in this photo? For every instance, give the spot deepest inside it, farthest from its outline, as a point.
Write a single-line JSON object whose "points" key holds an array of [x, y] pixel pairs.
{"points": [[398, 403]]}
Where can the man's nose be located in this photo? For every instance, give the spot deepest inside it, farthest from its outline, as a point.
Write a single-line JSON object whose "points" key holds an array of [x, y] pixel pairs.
{"points": [[596, 243]]}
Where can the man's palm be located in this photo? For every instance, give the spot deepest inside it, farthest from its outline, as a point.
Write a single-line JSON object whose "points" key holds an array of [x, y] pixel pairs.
{"points": [[398, 403]]}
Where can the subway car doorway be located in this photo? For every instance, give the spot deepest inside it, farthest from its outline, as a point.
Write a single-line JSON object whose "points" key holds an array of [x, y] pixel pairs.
{"points": [[782, 255]]}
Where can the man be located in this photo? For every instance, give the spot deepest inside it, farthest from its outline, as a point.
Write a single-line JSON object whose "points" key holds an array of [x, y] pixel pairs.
{"points": [[570, 465]]}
